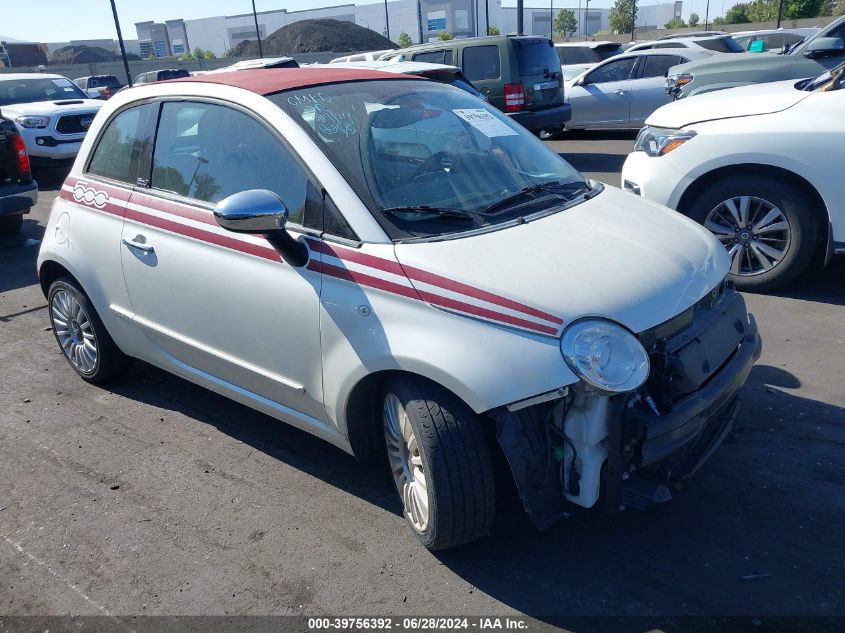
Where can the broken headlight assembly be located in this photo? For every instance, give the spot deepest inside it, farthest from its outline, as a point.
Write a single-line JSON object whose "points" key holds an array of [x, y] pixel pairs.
{"points": [[605, 355]]}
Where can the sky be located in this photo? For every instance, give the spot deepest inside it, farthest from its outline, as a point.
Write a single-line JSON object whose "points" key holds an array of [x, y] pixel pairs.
{"points": [[64, 20]]}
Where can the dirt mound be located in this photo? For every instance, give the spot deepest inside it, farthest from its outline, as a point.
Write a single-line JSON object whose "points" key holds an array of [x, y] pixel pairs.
{"points": [[316, 36], [84, 55]]}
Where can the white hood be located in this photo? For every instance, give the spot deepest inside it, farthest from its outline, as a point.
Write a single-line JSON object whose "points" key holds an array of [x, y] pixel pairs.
{"points": [[615, 256], [48, 108], [726, 104]]}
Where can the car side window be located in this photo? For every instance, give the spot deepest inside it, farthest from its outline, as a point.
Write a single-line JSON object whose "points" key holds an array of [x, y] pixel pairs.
{"points": [[671, 45], [207, 152], [118, 152], [658, 65], [837, 32], [433, 57], [482, 62], [617, 70]]}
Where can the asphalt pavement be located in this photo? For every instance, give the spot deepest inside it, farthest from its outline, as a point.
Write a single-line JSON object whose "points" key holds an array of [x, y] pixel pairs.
{"points": [[154, 496]]}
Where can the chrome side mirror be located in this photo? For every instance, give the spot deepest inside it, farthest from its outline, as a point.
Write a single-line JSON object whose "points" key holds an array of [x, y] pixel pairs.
{"points": [[253, 211], [261, 211]]}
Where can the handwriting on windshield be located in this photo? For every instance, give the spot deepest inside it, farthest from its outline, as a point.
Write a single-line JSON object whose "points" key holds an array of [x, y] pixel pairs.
{"points": [[318, 107]]}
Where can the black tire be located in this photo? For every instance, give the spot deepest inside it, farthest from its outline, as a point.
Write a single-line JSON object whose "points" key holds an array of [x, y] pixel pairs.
{"points": [[791, 201], [110, 361], [456, 461], [10, 224]]}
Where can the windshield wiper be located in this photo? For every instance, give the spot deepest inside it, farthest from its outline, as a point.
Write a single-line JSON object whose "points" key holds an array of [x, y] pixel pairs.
{"points": [[424, 209], [553, 188]]}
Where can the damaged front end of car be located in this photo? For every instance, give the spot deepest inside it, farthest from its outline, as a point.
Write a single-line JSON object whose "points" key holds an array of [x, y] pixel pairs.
{"points": [[590, 446]]}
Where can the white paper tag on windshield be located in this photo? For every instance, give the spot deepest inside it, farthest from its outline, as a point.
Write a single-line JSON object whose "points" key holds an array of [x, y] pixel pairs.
{"points": [[485, 122], [62, 83]]}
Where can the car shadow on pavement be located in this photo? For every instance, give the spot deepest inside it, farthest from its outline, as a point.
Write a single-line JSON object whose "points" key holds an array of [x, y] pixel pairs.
{"points": [[751, 533], [820, 286], [369, 481]]}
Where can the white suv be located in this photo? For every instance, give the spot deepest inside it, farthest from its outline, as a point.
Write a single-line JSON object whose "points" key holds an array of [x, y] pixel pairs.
{"points": [[51, 112], [759, 166], [386, 261]]}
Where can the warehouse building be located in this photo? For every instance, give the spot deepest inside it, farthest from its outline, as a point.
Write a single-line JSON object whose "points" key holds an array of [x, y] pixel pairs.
{"points": [[422, 20]]}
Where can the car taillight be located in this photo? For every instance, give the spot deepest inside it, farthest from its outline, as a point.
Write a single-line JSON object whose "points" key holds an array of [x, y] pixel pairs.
{"points": [[514, 97], [22, 156], [106, 93]]}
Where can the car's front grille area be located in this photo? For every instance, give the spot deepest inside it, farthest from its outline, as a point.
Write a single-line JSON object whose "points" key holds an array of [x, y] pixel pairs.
{"points": [[688, 350], [74, 123]]}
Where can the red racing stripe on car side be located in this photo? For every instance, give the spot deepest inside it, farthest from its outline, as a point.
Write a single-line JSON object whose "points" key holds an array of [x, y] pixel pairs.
{"points": [[477, 293], [411, 272], [363, 279], [485, 313], [205, 236]]}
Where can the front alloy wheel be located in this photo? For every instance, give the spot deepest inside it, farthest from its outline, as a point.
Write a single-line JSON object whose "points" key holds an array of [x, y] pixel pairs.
{"points": [[768, 224], [406, 463], [440, 462], [755, 232]]}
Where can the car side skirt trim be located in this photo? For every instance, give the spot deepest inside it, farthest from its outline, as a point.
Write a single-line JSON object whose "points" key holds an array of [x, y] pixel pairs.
{"points": [[159, 329]]}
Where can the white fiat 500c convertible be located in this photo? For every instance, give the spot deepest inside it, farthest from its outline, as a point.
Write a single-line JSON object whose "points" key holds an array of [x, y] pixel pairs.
{"points": [[392, 265]]}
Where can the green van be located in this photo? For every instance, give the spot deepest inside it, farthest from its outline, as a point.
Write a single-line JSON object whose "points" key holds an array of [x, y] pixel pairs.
{"points": [[520, 75]]}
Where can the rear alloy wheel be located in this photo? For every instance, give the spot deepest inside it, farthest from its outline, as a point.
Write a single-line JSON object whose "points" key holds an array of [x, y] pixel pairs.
{"points": [[81, 335], [440, 463], [765, 225]]}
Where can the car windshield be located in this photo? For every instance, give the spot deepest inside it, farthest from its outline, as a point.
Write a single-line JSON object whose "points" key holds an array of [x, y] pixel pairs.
{"points": [[38, 89], [429, 159]]}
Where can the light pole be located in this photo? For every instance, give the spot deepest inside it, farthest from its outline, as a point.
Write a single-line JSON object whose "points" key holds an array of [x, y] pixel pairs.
{"points": [[780, 12], [633, 18], [257, 32], [586, 20], [386, 21], [707, 14], [120, 41], [487, 16]]}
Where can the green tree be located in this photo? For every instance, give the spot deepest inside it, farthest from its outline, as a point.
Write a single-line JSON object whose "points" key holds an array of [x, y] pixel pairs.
{"points": [[229, 52], [839, 9], [675, 23], [693, 19], [720, 21], [404, 40], [198, 53], [738, 14], [445, 35], [493, 30], [622, 16], [209, 54], [186, 56], [798, 9], [565, 23]]}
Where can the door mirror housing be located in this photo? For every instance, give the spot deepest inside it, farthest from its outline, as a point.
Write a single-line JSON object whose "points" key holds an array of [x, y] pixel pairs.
{"points": [[261, 211], [581, 81], [822, 47]]}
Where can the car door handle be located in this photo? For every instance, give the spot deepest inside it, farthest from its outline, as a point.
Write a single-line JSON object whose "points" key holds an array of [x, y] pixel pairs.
{"points": [[147, 248], [620, 92]]}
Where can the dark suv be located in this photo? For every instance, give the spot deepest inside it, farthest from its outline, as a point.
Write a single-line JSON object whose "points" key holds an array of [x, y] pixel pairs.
{"points": [[519, 75], [18, 191]]}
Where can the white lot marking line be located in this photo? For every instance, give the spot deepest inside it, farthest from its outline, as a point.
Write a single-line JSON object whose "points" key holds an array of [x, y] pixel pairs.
{"points": [[52, 571]]}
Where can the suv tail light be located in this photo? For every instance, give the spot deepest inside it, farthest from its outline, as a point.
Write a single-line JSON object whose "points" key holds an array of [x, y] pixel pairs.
{"points": [[514, 97], [24, 171]]}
